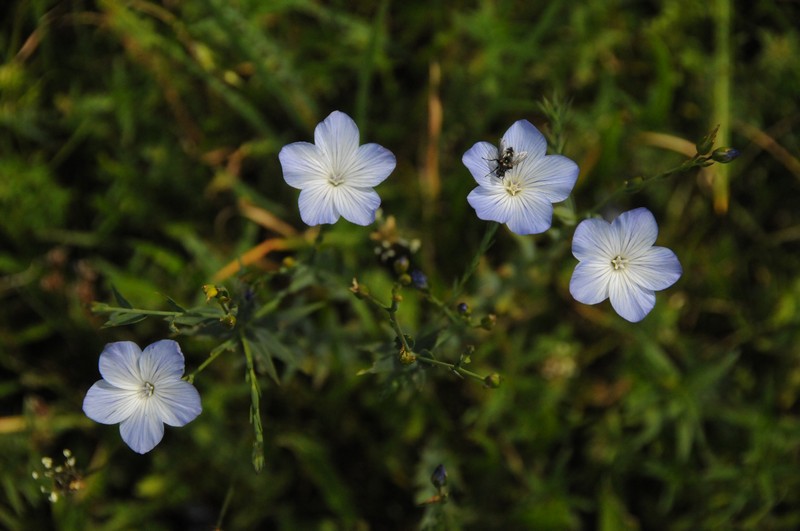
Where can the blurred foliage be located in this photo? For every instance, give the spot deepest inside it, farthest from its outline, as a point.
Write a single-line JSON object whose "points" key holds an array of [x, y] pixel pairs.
{"points": [[138, 149]]}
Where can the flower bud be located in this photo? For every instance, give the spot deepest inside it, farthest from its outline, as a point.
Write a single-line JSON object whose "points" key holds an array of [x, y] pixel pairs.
{"points": [[634, 184], [419, 279], [407, 357], [463, 309], [488, 322], [229, 321], [492, 381], [439, 477], [211, 291], [704, 146], [724, 155], [401, 265]]}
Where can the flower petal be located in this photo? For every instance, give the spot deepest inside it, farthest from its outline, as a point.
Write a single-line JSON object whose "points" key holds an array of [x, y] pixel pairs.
{"points": [[119, 365], [656, 269], [524, 137], [491, 203], [176, 403], [629, 300], [594, 239], [303, 165], [529, 214], [553, 177], [316, 205], [107, 404], [163, 360], [143, 430], [356, 205], [372, 164], [337, 138], [589, 282], [637, 231], [478, 160]]}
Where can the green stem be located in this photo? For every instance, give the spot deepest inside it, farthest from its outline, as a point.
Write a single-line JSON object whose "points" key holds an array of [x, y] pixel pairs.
{"points": [[639, 183], [211, 357], [486, 243], [453, 367], [104, 308], [255, 409]]}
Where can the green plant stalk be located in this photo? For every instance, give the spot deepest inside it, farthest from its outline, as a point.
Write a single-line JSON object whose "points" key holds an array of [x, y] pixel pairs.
{"points": [[255, 409], [639, 183], [210, 359], [395, 324], [103, 308], [484, 246], [722, 97]]}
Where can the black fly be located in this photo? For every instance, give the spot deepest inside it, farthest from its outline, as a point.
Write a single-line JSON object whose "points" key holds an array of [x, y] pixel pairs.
{"points": [[506, 159]]}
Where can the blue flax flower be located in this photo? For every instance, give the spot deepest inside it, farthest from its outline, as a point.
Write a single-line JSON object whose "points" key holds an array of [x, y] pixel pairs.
{"points": [[518, 183], [142, 390], [335, 174], [619, 262]]}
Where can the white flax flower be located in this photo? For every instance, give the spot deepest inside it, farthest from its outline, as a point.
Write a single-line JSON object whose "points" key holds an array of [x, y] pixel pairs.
{"points": [[142, 390], [518, 182], [336, 176], [619, 262]]}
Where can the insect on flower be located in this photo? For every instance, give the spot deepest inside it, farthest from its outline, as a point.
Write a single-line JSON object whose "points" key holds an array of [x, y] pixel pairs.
{"points": [[506, 159]]}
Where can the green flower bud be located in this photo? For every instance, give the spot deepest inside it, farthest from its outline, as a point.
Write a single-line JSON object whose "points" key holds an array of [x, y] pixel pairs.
{"points": [[724, 155], [492, 381], [705, 145]]}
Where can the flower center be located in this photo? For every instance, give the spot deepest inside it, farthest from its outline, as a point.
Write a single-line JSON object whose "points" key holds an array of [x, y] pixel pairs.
{"points": [[512, 186], [148, 389], [619, 262], [335, 180]]}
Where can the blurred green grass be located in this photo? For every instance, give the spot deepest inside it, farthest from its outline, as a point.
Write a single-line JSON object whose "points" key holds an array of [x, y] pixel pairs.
{"points": [[131, 132]]}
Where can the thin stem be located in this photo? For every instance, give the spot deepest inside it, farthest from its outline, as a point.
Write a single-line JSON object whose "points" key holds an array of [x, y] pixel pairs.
{"points": [[211, 357], [639, 183], [453, 367], [255, 409], [486, 243], [104, 308]]}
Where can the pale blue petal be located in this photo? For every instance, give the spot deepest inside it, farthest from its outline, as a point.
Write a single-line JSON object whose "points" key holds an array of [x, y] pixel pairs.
{"points": [[372, 165], [656, 269], [478, 160], [303, 165], [491, 203], [553, 177], [589, 282], [163, 360], [107, 404], [143, 430], [529, 214], [594, 239], [629, 300], [524, 137], [119, 365], [316, 205], [636, 230], [337, 138], [176, 403], [356, 205]]}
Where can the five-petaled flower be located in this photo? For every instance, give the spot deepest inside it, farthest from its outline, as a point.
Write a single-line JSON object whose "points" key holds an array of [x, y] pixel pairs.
{"points": [[519, 182], [618, 261], [335, 174], [142, 390]]}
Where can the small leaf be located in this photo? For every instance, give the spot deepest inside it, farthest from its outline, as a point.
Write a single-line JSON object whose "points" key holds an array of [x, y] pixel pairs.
{"points": [[175, 306], [122, 319], [120, 299]]}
